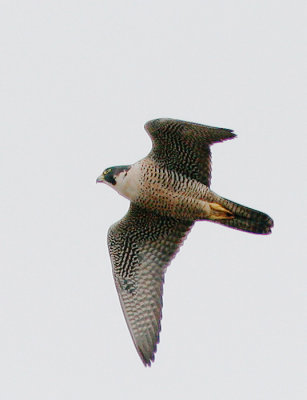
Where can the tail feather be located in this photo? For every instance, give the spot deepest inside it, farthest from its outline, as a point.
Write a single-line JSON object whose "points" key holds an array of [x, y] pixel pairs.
{"points": [[244, 218], [262, 227]]}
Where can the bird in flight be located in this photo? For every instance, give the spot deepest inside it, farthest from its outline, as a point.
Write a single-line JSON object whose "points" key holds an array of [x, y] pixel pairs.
{"points": [[168, 190]]}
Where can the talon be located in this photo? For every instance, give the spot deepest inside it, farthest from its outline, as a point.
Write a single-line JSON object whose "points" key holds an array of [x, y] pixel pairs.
{"points": [[219, 212]]}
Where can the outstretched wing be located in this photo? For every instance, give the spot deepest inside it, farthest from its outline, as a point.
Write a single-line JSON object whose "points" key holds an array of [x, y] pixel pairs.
{"points": [[141, 246], [185, 146]]}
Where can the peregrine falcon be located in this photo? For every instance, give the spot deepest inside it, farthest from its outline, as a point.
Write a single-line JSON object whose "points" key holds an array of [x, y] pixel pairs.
{"points": [[168, 191]]}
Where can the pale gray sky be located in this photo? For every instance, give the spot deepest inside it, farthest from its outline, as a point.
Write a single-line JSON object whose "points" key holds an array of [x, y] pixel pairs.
{"points": [[78, 79]]}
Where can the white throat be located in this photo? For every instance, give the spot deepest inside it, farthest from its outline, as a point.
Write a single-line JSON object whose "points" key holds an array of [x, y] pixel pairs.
{"points": [[127, 182]]}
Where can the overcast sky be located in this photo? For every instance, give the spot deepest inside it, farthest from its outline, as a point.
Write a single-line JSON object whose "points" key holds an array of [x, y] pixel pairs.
{"points": [[78, 80]]}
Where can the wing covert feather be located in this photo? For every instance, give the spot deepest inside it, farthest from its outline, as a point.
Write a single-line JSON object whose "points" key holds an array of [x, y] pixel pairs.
{"points": [[141, 246], [185, 146]]}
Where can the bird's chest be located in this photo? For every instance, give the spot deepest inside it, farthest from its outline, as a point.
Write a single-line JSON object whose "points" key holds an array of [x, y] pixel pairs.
{"points": [[128, 185], [145, 183], [167, 192], [163, 191]]}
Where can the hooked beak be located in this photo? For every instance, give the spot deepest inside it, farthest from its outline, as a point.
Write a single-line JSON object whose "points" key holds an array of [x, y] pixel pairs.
{"points": [[100, 179]]}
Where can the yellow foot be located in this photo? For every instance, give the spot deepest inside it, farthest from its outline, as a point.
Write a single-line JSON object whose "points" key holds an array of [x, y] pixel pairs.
{"points": [[219, 212]]}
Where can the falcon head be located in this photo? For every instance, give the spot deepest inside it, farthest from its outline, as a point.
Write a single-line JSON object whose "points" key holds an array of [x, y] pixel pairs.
{"points": [[113, 175]]}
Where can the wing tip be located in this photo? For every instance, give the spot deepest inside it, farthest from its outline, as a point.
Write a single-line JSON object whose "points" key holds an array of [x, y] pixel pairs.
{"points": [[155, 124], [147, 349], [147, 357], [227, 134]]}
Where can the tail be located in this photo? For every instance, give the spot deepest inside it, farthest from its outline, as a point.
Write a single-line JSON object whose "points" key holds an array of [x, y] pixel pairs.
{"points": [[236, 216]]}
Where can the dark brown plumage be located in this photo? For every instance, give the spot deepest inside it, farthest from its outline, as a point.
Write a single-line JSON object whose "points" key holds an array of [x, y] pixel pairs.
{"points": [[169, 190]]}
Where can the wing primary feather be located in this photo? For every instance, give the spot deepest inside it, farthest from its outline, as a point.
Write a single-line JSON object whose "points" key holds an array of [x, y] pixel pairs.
{"points": [[156, 240], [184, 147]]}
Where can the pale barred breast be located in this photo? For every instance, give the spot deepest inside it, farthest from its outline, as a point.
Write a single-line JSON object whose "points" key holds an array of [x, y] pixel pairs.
{"points": [[171, 193]]}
